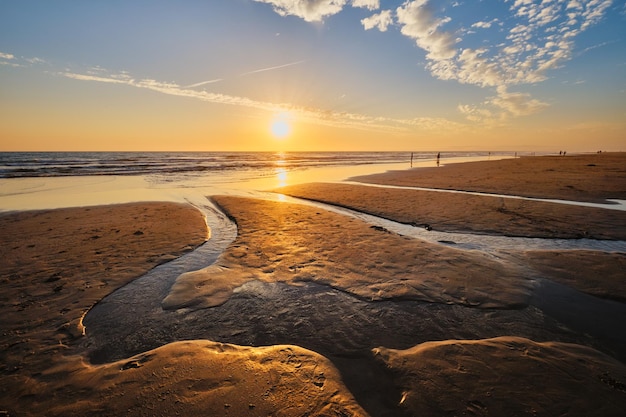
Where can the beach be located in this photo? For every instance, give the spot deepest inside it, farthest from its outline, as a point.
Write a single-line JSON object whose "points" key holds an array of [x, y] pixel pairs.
{"points": [[311, 311]]}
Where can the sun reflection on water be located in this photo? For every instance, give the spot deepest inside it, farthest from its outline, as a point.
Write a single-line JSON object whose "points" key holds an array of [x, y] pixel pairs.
{"points": [[281, 159], [281, 176]]}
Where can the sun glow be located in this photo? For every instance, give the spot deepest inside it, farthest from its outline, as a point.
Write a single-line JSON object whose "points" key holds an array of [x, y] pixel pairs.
{"points": [[281, 125]]}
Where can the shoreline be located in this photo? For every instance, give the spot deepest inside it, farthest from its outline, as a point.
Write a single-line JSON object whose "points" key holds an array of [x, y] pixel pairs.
{"points": [[42, 193], [58, 263]]}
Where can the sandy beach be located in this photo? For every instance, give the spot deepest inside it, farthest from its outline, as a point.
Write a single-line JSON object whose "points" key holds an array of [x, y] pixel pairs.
{"points": [[313, 312]]}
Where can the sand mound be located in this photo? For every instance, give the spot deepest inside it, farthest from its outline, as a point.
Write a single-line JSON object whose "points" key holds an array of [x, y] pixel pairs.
{"points": [[194, 378], [507, 376]]}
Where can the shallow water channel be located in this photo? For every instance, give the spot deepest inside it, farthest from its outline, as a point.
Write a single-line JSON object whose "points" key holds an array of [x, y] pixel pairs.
{"points": [[340, 326]]}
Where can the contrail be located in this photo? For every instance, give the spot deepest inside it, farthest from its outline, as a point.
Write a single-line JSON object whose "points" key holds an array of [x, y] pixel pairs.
{"points": [[204, 82], [245, 73], [272, 68]]}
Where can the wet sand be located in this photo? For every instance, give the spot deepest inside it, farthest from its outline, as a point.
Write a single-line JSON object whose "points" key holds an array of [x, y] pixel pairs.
{"points": [[591, 177], [282, 242], [457, 212], [56, 264], [358, 321]]}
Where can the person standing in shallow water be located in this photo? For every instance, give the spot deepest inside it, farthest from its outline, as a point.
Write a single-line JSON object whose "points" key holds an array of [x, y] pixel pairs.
{"points": [[438, 157]]}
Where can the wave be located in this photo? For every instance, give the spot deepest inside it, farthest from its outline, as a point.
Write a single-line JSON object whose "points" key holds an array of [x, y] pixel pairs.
{"points": [[58, 164]]}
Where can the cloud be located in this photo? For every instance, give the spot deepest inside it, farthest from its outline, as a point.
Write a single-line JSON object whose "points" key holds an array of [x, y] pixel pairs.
{"points": [[306, 114], [367, 4], [540, 37], [381, 21], [484, 25], [517, 104], [11, 60], [419, 23], [90, 77], [309, 10], [477, 114], [594, 12], [496, 110]]}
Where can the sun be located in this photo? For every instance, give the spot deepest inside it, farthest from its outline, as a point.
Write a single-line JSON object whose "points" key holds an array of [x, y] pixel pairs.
{"points": [[280, 126]]}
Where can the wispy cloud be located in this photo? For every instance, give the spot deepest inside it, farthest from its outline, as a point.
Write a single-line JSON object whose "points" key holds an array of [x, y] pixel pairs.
{"points": [[272, 68], [306, 114], [590, 48], [313, 115], [539, 38], [11, 60]]}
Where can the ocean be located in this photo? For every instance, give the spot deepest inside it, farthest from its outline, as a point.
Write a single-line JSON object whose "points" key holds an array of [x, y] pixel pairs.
{"points": [[46, 180], [62, 164]]}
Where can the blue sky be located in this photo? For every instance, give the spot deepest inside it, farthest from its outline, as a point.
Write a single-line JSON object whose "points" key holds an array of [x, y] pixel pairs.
{"points": [[347, 75]]}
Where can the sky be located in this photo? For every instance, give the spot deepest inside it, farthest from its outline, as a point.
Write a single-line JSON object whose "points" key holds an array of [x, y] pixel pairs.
{"points": [[313, 75]]}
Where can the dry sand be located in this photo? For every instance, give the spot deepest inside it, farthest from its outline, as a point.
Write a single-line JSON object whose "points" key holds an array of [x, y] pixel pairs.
{"points": [[56, 264]]}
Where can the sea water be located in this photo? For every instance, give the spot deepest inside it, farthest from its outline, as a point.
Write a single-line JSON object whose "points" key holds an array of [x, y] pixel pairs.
{"points": [[44, 180], [56, 164]]}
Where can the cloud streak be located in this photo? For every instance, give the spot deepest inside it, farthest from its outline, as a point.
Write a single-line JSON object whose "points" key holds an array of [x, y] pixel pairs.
{"points": [[306, 114]]}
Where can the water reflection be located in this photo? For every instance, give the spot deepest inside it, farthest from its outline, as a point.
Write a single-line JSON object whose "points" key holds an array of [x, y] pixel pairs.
{"points": [[281, 176], [71, 191], [281, 159]]}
